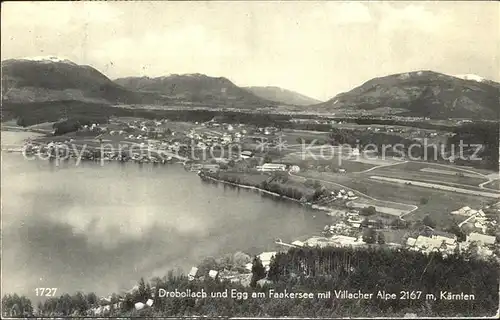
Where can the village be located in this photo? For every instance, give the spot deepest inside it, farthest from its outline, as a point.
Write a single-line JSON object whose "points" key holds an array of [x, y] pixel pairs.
{"points": [[348, 232], [260, 158]]}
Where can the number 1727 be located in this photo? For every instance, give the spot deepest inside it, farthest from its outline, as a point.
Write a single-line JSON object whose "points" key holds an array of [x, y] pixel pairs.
{"points": [[45, 292]]}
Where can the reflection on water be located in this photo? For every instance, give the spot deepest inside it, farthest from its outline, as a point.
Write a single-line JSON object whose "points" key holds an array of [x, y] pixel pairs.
{"points": [[100, 228]]}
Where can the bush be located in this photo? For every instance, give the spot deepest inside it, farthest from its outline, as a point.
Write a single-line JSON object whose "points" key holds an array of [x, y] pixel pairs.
{"points": [[368, 211], [429, 222]]}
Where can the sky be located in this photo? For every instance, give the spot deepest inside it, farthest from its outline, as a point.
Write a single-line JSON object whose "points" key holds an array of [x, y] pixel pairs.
{"points": [[316, 48]]}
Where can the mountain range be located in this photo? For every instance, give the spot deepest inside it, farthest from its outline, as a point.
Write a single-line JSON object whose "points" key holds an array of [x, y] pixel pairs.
{"points": [[418, 93], [196, 88], [283, 96], [37, 80]]}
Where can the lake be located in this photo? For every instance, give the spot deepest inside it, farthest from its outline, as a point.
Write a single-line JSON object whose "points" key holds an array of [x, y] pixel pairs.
{"points": [[100, 228]]}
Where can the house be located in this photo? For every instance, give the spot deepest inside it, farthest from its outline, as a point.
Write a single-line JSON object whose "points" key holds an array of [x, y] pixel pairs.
{"points": [[249, 266], [149, 303], [410, 242], [481, 239], [193, 274], [268, 167], [213, 274], [266, 257], [428, 244], [139, 306], [263, 282], [432, 244], [212, 168], [298, 243], [345, 240], [447, 240], [246, 154]]}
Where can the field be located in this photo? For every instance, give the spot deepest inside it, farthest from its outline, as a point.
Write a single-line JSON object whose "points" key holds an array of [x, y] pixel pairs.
{"points": [[247, 178], [495, 184], [330, 165], [386, 207], [431, 173], [438, 186], [433, 202]]}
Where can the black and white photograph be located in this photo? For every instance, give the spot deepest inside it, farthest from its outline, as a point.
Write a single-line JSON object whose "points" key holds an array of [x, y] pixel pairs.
{"points": [[250, 159]]}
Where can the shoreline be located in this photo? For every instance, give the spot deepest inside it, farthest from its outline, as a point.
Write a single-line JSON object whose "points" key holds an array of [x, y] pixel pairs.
{"points": [[305, 204]]}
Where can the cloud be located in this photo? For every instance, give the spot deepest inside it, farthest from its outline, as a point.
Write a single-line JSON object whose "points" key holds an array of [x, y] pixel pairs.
{"points": [[339, 13], [411, 16], [349, 12]]}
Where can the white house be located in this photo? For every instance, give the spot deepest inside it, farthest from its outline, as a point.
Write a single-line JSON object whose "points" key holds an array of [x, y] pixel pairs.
{"points": [[298, 243], [272, 167], [139, 306], [266, 257], [213, 274], [246, 154], [193, 273], [481, 239]]}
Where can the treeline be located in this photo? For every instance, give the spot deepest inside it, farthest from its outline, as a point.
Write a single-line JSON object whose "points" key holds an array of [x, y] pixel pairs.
{"points": [[49, 111], [370, 270], [75, 123], [28, 114], [276, 184], [311, 270], [484, 134]]}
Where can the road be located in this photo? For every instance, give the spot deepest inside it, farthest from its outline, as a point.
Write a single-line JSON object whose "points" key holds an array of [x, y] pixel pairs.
{"points": [[361, 193], [438, 186]]}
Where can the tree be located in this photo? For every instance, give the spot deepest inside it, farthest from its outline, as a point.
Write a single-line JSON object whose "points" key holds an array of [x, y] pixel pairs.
{"points": [[424, 200], [429, 222], [368, 211], [207, 264], [143, 293], [459, 233], [369, 235], [317, 185], [309, 183], [399, 223], [380, 238], [258, 271]]}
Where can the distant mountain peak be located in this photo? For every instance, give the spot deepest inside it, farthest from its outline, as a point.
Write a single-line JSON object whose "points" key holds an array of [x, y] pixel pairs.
{"points": [[48, 59], [473, 77], [422, 93], [282, 95]]}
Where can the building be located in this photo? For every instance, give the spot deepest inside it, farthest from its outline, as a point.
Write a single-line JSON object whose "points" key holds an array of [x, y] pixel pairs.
{"points": [[269, 167], [213, 274], [246, 154], [212, 168], [193, 274], [481, 239], [432, 244], [265, 258], [298, 243]]}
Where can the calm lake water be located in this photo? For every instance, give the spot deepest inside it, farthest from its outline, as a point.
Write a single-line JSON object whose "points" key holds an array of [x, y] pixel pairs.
{"points": [[100, 228]]}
